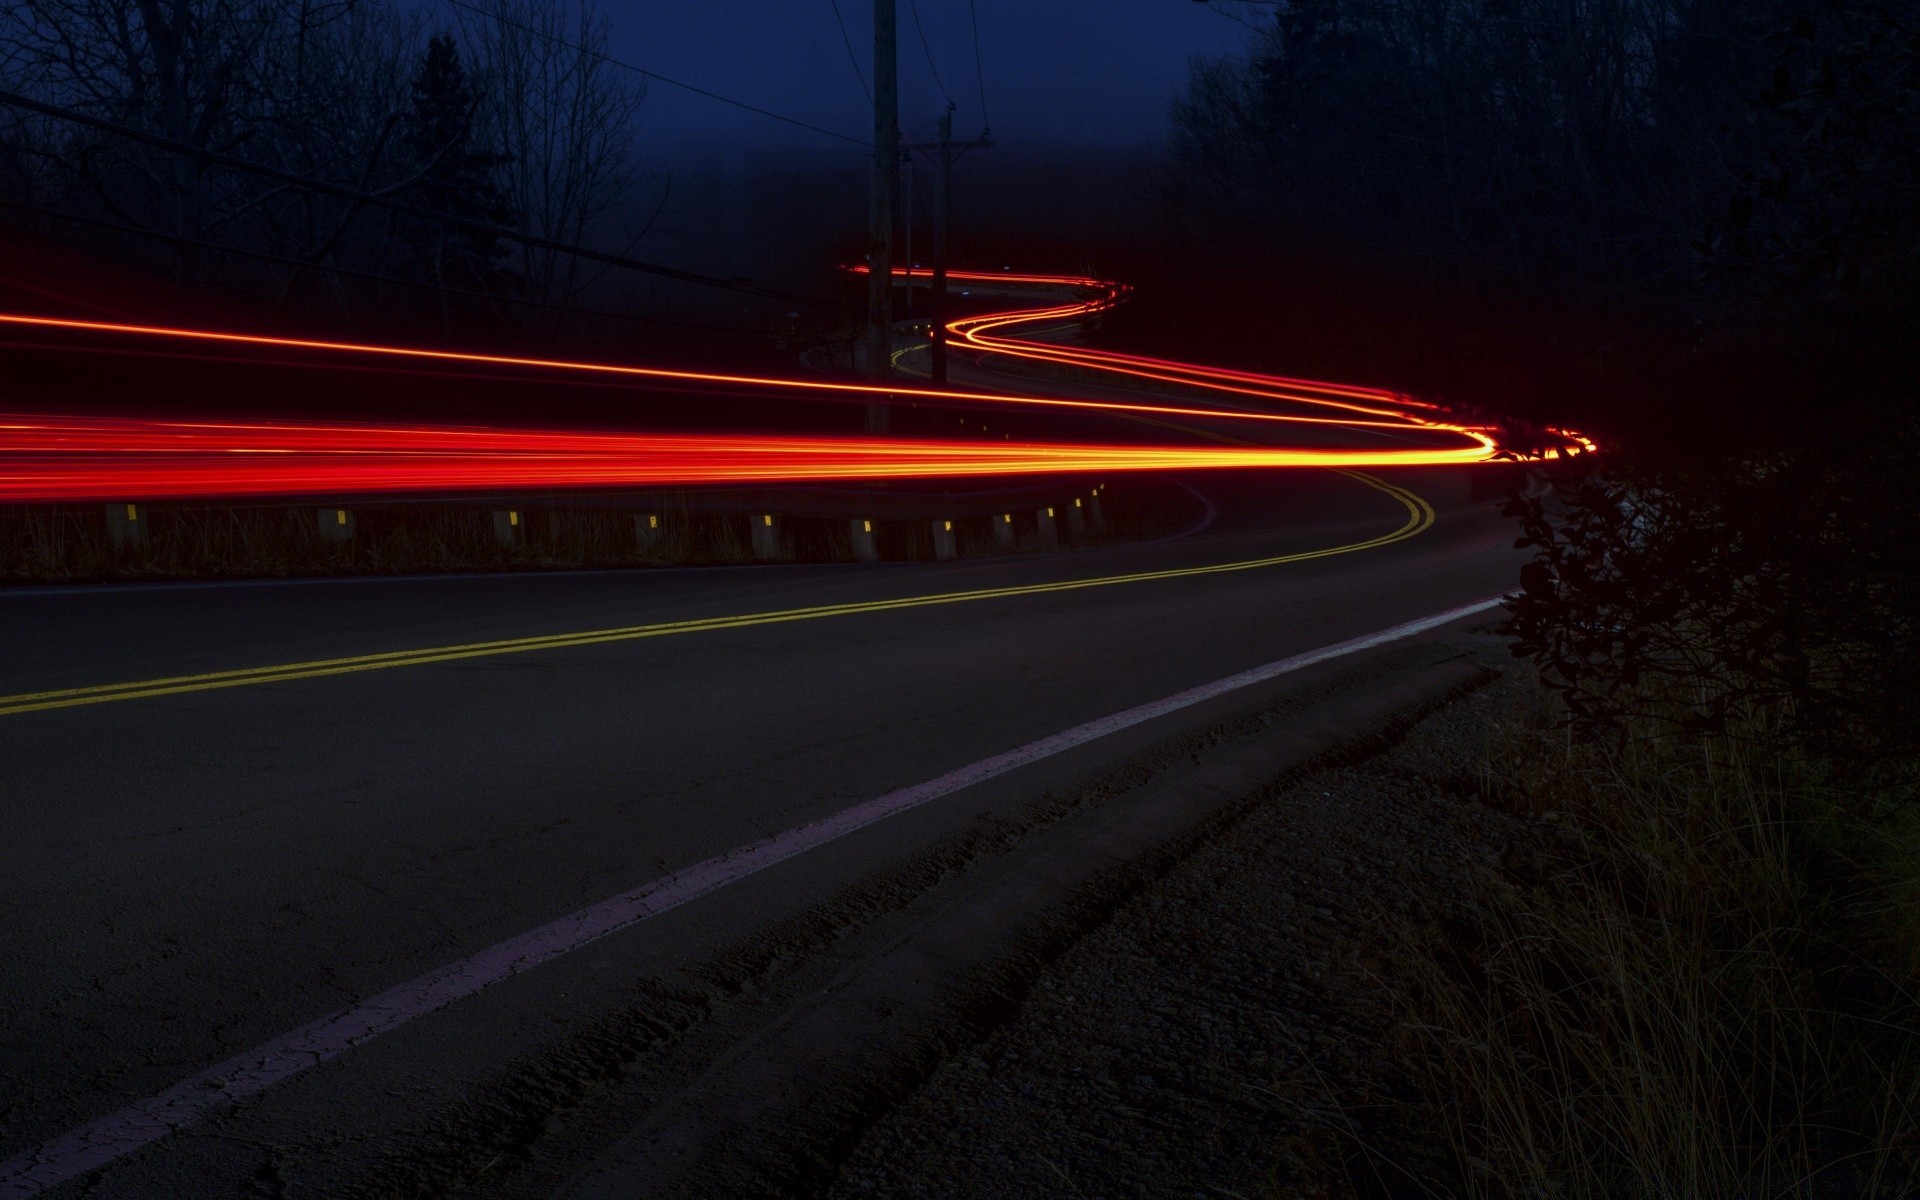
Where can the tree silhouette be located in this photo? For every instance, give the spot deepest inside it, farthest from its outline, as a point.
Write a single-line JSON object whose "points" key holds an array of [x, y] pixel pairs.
{"points": [[456, 176]]}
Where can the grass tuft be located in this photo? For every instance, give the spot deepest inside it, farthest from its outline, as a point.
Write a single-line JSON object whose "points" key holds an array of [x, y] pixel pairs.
{"points": [[1699, 981]]}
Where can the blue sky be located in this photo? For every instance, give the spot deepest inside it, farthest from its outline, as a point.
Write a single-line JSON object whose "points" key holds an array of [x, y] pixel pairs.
{"points": [[1085, 73]]}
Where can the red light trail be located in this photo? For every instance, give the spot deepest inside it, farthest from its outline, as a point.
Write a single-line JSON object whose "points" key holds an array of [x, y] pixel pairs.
{"points": [[90, 458], [47, 459], [975, 331]]}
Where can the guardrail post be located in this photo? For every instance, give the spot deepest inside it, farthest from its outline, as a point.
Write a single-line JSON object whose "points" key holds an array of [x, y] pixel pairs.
{"points": [[646, 531], [1096, 516], [1003, 531], [508, 528], [1049, 528], [945, 545], [865, 547], [336, 524], [1076, 517], [127, 526], [766, 537]]}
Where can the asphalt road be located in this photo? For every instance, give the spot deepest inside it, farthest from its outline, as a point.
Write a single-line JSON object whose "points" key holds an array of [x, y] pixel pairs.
{"points": [[190, 874], [189, 870]]}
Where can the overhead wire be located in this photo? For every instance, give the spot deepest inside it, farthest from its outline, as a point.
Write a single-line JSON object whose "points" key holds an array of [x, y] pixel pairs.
{"points": [[846, 39], [979, 71], [299, 264], [1236, 18], [406, 207], [1351, 7], [913, 7], [668, 80]]}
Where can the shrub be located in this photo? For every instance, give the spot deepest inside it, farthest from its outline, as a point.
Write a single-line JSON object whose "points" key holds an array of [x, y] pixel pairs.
{"points": [[1787, 581]]}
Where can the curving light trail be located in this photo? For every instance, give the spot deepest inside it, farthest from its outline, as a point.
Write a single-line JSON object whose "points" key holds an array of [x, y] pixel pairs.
{"points": [[986, 333], [62, 458], [90, 458]]}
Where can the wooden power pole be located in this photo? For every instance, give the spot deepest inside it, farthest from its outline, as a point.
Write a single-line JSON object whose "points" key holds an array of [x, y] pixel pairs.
{"points": [[945, 150], [884, 202], [942, 215]]}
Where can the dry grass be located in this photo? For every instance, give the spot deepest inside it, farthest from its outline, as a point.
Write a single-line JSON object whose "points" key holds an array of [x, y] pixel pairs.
{"points": [[1698, 983], [51, 545], [70, 544]]}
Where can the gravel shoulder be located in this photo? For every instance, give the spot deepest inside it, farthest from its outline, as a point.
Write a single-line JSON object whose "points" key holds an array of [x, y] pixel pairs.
{"points": [[1231, 1030]]}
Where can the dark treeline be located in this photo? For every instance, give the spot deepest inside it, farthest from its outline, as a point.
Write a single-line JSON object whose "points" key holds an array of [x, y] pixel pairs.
{"points": [[1690, 227], [504, 113], [1627, 212]]}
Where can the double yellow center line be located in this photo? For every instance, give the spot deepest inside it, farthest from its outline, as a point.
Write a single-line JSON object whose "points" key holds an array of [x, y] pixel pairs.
{"points": [[1420, 516]]}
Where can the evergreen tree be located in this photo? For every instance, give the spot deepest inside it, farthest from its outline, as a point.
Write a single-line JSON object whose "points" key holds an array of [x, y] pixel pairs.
{"points": [[455, 175]]}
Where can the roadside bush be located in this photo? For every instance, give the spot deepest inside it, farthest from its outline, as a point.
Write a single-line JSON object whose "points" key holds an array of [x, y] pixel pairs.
{"points": [[1786, 581], [1704, 982]]}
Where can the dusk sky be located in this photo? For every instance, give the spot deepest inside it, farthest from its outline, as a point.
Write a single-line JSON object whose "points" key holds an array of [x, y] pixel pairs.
{"points": [[1084, 72]]}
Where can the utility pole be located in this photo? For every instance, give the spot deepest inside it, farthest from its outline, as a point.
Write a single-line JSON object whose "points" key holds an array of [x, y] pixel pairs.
{"points": [[906, 225], [942, 215], [885, 200], [944, 151]]}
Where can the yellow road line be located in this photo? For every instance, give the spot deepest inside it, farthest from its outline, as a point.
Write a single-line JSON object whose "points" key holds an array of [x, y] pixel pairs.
{"points": [[1420, 516]]}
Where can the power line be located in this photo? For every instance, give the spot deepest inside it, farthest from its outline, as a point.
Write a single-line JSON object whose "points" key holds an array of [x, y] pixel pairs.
{"points": [[913, 6], [407, 207], [655, 75], [1236, 18], [846, 40], [302, 264], [1346, 7], [979, 72]]}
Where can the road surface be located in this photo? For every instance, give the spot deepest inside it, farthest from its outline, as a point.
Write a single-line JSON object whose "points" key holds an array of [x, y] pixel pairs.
{"points": [[235, 809], [192, 873]]}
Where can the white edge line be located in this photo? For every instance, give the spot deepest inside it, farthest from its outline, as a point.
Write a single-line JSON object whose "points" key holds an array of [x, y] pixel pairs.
{"points": [[99, 1143]]}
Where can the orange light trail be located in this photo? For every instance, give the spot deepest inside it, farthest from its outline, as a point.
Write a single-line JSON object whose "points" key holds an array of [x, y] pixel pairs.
{"points": [[45, 459], [975, 331], [90, 458], [660, 374]]}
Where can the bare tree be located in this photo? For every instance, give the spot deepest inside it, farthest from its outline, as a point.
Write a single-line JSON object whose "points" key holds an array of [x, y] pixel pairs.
{"points": [[179, 68], [336, 103], [1539, 134], [561, 113], [325, 89]]}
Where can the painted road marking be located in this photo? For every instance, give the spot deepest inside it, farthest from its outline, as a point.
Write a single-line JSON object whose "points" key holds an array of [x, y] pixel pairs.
{"points": [[1420, 516], [113, 1137]]}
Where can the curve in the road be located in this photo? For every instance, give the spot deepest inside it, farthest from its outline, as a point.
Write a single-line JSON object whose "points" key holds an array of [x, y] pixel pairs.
{"points": [[116, 1135], [64, 458], [1420, 515], [107, 1139]]}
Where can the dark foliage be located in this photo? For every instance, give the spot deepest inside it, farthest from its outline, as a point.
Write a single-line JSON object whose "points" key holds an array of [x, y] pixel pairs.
{"points": [[510, 114], [456, 174], [1691, 227], [1482, 143], [1829, 215], [1789, 582], [1668, 221], [1784, 576]]}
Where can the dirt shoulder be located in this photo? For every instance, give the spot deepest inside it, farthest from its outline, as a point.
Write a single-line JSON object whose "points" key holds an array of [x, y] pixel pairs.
{"points": [[1231, 1031]]}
